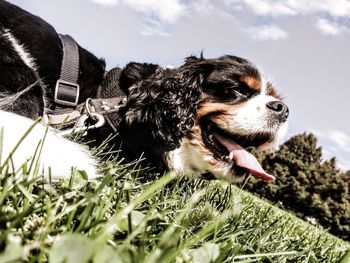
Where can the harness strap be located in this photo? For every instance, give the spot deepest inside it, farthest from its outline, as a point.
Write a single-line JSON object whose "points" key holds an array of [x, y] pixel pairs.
{"points": [[66, 118], [67, 88], [110, 88], [76, 118]]}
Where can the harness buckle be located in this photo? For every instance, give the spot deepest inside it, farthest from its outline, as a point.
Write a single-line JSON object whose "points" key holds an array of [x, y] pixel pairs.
{"points": [[66, 93], [82, 125], [96, 117]]}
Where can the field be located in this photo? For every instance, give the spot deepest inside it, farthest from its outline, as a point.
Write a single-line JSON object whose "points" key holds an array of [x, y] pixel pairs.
{"points": [[134, 216]]}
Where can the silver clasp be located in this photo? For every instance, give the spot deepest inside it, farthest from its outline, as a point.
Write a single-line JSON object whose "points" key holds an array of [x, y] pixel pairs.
{"points": [[82, 125], [98, 119]]}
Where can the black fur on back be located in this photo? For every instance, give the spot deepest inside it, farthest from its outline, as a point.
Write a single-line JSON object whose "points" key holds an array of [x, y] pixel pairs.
{"points": [[43, 44]]}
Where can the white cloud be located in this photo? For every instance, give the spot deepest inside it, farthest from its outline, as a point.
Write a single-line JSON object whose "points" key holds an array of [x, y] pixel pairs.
{"points": [[209, 9], [264, 7], [154, 28], [152, 31], [168, 11], [335, 143], [156, 13], [343, 165], [318, 133], [106, 2], [267, 32], [337, 8], [329, 28], [340, 8], [203, 7], [341, 139], [334, 9]]}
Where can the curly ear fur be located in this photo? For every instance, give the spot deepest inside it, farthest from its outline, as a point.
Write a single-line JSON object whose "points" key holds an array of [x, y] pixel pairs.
{"points": [[135, 72], [160, 106]]}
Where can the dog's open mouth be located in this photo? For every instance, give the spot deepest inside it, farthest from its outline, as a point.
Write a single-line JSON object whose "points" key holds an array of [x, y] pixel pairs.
{"points": [[233, 149]]}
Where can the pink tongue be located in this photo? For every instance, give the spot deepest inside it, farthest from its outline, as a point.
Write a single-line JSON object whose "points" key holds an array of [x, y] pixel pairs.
{"points": [[244, 159]]}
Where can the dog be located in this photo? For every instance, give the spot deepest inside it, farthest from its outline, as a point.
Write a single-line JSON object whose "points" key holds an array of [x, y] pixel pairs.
{"points": [[200, 119]]}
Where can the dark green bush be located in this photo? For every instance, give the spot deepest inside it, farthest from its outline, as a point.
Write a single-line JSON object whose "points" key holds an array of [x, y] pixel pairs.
{"points": [[307, 185]]}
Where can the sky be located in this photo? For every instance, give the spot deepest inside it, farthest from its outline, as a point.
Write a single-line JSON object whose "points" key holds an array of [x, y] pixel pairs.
{"points": [[303, 46]]}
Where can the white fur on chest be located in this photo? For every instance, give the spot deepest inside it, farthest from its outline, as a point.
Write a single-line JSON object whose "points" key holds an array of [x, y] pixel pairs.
{"points": [[187, 160]]}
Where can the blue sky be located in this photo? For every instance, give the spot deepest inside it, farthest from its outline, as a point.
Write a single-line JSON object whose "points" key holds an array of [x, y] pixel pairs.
{"points": [[302, 45]]}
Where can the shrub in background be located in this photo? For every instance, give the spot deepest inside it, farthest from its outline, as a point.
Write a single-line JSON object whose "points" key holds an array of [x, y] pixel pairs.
{"points": [[307, 185]]}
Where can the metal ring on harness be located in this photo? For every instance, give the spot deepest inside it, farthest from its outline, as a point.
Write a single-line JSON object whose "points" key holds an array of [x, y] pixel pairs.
{"points": [[82, 126], [87, 121], [97, 117], [88, 110]]}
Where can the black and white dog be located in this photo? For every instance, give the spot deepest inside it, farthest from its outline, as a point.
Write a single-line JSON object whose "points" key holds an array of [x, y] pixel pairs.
{"points": [[199, 119]]}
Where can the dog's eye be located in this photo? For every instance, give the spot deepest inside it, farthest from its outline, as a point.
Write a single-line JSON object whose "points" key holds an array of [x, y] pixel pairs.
{"points": [[228, 92], [232, 93]]}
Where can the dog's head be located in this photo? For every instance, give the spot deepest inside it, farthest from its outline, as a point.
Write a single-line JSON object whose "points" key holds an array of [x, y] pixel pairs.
{"points": [[203, 117]]}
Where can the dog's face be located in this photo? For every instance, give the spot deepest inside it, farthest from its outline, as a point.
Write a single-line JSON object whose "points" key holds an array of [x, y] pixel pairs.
{"points": [[230, 108], [238, 110]]}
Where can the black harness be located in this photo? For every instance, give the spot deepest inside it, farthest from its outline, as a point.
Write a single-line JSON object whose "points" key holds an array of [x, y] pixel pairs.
{"points": [[71, 117]]}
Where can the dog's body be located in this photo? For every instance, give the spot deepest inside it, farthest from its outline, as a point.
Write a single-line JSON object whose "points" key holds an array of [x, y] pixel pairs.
{"points": [[197, 119]]}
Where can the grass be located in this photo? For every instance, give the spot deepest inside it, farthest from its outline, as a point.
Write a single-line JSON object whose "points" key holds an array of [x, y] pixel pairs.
{"points": [[132, 215]]}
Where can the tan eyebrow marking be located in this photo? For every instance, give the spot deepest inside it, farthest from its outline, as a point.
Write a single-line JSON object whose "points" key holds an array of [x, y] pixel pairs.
{"points": [[251, 82], [271, 91]]}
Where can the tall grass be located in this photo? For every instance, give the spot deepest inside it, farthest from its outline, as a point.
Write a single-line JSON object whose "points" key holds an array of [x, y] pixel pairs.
{"points": [[132, 215]]}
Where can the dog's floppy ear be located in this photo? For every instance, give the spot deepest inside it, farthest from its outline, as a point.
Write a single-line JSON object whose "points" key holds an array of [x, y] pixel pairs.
{"points": [[135, 72], [160, 107]]}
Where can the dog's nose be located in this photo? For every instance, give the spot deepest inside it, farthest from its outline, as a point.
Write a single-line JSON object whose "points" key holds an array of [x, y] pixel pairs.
{"points": [[279, 108]]}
